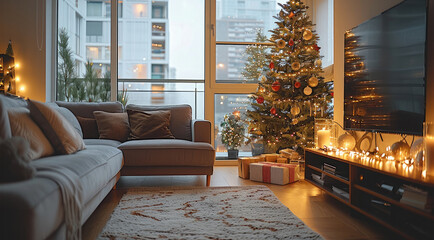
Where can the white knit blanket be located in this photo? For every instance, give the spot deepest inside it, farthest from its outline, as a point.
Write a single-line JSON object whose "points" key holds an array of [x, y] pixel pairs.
{"points": [[72, 192]]}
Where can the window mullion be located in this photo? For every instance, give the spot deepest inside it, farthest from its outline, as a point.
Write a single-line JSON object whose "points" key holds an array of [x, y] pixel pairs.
{"points": [[114, 50]]}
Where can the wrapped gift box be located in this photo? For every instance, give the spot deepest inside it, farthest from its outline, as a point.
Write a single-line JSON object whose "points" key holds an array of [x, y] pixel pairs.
{"points": [[243, 165], [272, 157], [276, 173]]}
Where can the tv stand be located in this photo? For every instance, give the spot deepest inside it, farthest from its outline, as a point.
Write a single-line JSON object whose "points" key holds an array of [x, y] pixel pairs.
{"points": [[378, 189]]}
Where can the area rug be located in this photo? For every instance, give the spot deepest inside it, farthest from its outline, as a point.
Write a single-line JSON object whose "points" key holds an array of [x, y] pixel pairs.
{"points": [[248, 212]]}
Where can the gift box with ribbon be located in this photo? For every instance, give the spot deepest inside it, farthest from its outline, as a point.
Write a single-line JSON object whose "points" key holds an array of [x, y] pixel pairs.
{"points": [[276, 173]]}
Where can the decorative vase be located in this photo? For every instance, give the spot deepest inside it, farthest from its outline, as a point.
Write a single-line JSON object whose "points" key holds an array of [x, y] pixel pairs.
{"points": [[324, 133], [232, 153]]}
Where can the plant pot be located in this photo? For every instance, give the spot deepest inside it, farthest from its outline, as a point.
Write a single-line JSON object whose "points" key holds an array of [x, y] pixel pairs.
{"points": [[232, 153], [257, 149]]}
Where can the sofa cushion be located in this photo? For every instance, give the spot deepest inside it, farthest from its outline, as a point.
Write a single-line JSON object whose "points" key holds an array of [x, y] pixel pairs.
{"points": [[5, 128], [149, 125], [180, 118], [61, 134], [113, 126], [167, 152], [86, 109], [105, 142], [14, 163], [89, 127], [23, 126]]}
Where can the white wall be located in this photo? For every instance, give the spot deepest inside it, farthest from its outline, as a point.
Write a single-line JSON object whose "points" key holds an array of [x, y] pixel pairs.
{"points": [[23, 22], [348, 14]]}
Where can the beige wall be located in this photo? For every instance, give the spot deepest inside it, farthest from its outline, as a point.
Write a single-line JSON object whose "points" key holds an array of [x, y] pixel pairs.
{"points": [[348, 14], [19, 22]]}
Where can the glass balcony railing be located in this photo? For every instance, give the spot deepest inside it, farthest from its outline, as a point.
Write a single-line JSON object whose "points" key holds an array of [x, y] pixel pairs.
{"points": [[165, 92]]}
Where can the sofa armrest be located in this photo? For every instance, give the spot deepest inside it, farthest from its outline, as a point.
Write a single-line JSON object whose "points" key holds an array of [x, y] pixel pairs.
{"points": [[201, 131]]}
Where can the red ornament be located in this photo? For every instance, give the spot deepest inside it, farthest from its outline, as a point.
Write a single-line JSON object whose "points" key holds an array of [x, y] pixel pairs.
{"points": [[291, 15], [275, 86], [297, 84], [316, 47], [291, 42], [273, 110], [271, 65], [260, 99], [332, 94]]}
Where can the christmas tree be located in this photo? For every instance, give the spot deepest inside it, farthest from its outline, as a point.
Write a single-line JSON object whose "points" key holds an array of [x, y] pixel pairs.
{"points": [[292, 92], [256, 59], [9, 50]]}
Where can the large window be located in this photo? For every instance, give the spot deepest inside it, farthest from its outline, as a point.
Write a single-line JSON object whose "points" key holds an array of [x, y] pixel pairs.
{"points": [[241, 33], [161, 50], [162, 59], [83, 70]]}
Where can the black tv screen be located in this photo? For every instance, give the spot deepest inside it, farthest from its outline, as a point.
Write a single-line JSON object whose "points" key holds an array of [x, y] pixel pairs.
{"points": [[385, 71]]}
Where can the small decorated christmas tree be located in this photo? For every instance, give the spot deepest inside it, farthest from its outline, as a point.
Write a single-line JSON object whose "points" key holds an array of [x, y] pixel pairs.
{"points": [[292, 92], [9, 50], [233, 131]]}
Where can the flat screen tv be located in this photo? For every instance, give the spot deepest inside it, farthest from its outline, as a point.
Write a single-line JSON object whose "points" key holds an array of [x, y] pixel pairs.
{"points": [[385, 71]]}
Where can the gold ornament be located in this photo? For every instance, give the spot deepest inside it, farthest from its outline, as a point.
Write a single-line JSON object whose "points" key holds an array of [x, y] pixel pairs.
{"points": [[263, 78], [307, 35], [307, 91], [281, 43], [295, 109], [318, 63], [346, 141], [400, 150], [313, 81], [295, 66], [294, 121]]}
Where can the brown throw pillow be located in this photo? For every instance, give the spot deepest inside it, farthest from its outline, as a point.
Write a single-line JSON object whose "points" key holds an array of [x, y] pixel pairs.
{"points": [[23, 126], [149, 124], [88, 127], [112, 125], [62, 135]]}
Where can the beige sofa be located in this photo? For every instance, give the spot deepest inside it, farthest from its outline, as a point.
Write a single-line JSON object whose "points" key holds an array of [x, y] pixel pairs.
{"points": [[190, 153], [33, 208]]}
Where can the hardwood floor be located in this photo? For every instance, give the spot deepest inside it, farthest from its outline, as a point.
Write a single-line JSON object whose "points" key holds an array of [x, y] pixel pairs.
{"points": [[320, 212]]}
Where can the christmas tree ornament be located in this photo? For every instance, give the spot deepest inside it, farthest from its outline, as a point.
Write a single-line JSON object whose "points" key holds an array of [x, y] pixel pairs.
{"points": [[346, 141], [271, 65], [291, 42], [315, 46], [307, 91], [294, 121], [297, 84], [313, 81], [295, 109], [263, 78], [307, 35], [275, 86], [281, 43], [291, 15], [273, 110], [260, 99], [318, 63], [295, 66], [400, 150]]}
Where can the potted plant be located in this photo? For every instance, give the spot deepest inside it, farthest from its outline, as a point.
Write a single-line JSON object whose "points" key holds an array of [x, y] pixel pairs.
{"points": [[233, 129]]}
